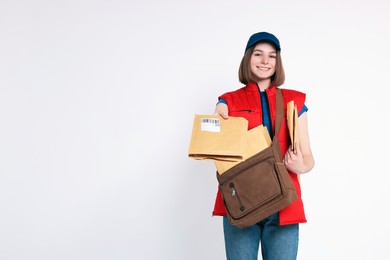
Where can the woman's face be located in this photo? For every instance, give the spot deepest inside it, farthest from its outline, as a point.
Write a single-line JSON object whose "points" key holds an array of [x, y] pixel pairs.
{"points": [[263, 61]]}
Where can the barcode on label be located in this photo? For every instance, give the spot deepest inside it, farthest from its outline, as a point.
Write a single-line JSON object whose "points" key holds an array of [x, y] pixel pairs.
{"points": [[211, 121], [210, 125]]}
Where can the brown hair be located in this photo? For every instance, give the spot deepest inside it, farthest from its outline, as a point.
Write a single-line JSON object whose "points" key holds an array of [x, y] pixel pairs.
{"points": [[245, 75]]}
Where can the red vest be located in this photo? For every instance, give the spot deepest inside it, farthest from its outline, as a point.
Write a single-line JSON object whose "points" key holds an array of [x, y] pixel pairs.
{"points": [[246, 102]]}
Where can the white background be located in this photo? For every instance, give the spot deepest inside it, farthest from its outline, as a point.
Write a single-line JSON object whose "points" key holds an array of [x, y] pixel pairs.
{"points": [[97, 100]]}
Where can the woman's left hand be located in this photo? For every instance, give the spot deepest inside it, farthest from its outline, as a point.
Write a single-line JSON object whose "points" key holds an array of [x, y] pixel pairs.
{"points": [[294, 161]]}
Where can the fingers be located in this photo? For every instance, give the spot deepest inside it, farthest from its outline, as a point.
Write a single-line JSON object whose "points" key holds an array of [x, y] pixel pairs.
{"points": [[286, 157], [224, 115], [289, 156], [294, 161], [222, 110]]}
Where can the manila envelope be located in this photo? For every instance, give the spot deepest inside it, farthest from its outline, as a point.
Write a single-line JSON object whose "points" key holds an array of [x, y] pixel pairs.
{"points": [[216, 138], [257, 139], [292, 124]]}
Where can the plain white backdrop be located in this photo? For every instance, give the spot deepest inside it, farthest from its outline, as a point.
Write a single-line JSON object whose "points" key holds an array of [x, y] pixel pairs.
{"points": [[97, 100]]}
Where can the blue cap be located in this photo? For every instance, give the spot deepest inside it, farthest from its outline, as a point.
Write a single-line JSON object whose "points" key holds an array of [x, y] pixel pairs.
{"points": [[263, 37]]}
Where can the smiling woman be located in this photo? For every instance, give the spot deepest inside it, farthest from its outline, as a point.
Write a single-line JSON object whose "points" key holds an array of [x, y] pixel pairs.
{"points": [[261, 71], [263, 62], [263, 55]]}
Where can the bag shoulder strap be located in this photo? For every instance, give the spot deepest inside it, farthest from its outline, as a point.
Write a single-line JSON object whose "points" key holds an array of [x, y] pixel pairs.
{"points": [[278, 123], [279, 112]]}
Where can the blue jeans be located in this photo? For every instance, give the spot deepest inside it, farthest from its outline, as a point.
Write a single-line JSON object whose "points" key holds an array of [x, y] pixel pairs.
{"points": [[277, 242]]}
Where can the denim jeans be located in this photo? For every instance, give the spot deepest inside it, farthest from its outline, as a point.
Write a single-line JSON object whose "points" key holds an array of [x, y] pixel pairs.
{"points": [[277, 242]]}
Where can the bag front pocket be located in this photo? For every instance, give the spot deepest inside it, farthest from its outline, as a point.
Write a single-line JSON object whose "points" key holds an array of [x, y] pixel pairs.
{"points": [[251, 188]]}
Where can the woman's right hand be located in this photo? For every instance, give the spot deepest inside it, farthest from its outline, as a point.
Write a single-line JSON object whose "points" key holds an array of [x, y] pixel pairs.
{"points": [[222, 110]]}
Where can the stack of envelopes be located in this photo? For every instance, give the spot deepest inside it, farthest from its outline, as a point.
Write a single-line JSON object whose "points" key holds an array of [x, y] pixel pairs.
{"points": [[292, 124], [226, 141]]}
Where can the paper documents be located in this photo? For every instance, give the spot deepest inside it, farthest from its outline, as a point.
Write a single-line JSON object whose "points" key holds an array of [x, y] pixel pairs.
{"points": [[226, 142], [257, 139], [216, 138], [292, 124]]}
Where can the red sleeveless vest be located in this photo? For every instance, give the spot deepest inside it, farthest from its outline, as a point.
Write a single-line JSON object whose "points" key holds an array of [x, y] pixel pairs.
{"points": [[246, 102]]}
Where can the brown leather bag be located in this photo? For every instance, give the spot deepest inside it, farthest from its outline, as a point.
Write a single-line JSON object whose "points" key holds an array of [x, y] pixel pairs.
{"points": [[259, 186]]}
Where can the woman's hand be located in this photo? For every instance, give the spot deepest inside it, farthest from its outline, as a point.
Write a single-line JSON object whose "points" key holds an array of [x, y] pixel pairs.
{"points": [[222, 110], [294, 161], [302, 160]]}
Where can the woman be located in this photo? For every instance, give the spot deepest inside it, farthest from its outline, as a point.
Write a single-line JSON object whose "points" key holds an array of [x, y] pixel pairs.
{"points": [[261, 71]]}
